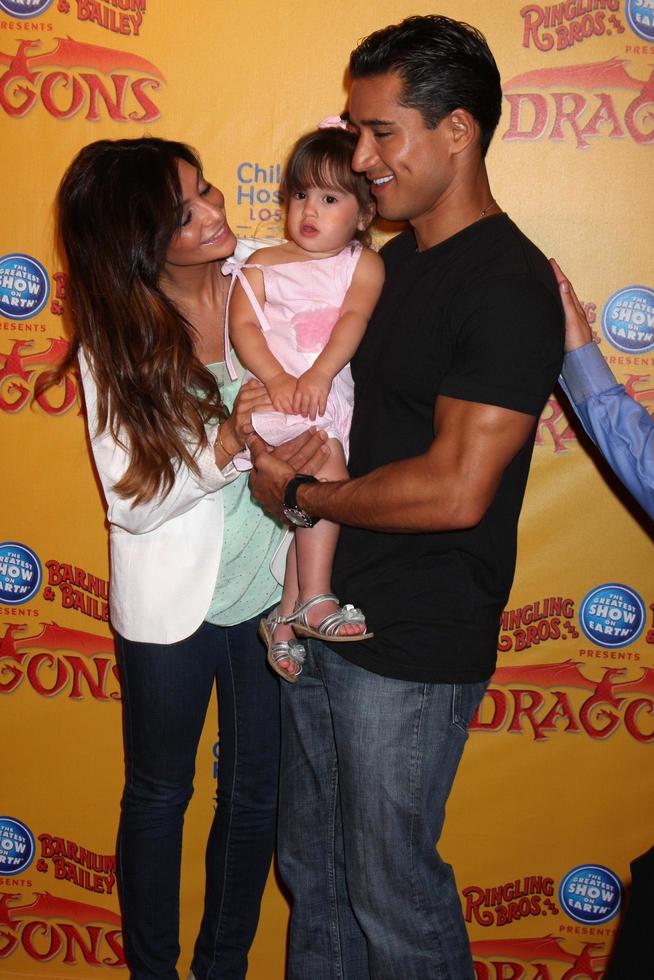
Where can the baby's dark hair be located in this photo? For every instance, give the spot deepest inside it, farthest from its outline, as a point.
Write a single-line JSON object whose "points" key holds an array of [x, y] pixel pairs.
{"points": [[323, 158]]}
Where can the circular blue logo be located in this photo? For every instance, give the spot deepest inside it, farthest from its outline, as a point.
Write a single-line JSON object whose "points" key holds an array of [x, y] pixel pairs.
{"points": [[612, 615], [24, 8], [24, 286], [16, 846], [591, 894], [628, 319], [20, 573], [640, 17]]}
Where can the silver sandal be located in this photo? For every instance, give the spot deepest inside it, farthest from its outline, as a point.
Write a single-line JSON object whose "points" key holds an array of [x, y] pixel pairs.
{"points": [[328, 628], [291, 650]]}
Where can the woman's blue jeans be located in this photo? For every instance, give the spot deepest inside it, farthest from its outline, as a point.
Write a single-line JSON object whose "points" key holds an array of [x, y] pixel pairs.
{"points": [[367, 766], [166, 692]]}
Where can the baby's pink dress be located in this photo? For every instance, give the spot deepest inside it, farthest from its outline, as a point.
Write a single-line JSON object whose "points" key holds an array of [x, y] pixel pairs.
{"points": [[303, 302]]}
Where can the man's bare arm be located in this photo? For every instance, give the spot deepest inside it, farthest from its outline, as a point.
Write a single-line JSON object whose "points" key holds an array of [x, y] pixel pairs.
{"points": [[449, 487]]}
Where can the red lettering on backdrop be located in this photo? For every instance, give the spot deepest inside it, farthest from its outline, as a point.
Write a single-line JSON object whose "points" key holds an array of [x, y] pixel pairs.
{"points": [[23, 375], [582, 101], [544, 25], [537, 700], [79, 78], [59, 660], [501, 959], [51, 927]]}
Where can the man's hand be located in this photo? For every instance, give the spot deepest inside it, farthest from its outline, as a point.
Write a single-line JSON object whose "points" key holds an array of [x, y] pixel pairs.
{"points": [[273, 468]]}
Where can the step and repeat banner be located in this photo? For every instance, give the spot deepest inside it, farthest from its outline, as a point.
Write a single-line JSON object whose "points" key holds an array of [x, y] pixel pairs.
{"points": [[554, 797]]}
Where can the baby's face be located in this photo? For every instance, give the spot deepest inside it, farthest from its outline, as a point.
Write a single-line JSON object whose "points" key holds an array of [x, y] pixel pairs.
{"points": [[322, 220]]}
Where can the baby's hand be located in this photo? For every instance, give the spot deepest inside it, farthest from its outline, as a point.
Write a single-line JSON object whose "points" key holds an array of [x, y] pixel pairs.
{"points": [[281, 389], [311, 393]]}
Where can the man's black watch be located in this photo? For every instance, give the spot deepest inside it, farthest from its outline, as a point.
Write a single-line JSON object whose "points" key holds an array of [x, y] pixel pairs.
{"points": [[292, 511]]}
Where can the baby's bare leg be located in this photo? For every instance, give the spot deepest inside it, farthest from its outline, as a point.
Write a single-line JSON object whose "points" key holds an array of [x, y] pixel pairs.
{"points": [[287, 602], [315, 551]]}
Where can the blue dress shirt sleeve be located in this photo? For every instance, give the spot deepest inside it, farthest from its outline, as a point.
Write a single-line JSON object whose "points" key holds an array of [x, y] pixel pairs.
{"points": [[620, 427]]}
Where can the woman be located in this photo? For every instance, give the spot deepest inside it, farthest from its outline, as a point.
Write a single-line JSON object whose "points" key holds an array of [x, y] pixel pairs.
{"points": [[145, 235]]}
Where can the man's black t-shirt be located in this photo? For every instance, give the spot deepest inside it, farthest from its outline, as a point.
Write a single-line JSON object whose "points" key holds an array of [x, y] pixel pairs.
{"points": [[478, 318]]}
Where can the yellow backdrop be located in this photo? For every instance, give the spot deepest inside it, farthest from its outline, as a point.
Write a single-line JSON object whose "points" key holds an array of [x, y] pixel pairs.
{"points": [[553, 799]]}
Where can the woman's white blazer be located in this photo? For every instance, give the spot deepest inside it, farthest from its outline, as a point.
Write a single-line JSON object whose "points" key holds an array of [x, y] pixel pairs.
{"points": [[164, 554]]}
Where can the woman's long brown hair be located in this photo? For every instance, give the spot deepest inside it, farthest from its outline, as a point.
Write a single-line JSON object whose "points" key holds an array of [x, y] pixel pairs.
{"points": [[119, 205]]}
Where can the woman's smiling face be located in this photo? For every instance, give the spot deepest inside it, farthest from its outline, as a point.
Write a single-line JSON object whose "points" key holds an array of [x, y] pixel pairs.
{"points": [[204, 234]]}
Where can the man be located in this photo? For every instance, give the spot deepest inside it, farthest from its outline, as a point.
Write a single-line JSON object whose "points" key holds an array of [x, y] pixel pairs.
{"points": [[457, 362]]}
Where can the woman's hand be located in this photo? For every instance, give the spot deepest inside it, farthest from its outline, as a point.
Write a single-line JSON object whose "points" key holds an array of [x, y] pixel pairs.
{"points": [[281, 388], [252, 397], [578, 331], [311, 393], [235, 430]]}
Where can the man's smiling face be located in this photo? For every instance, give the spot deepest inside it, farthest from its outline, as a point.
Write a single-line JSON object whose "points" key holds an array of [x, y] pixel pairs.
{"points": [[408, 164]]}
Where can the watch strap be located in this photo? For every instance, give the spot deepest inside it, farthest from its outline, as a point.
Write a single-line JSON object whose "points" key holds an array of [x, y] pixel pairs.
{"points": [[292, 509]]}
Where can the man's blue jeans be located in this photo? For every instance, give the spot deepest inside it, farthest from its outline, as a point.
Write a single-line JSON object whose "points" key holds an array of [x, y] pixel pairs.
{"points": [[367, 766], [166, 692]]}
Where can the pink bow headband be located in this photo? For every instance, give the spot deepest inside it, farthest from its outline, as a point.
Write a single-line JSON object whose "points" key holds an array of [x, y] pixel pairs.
{"points": [[332, 122]]}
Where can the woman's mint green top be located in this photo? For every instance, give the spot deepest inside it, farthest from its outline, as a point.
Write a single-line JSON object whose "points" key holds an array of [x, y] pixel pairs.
{"points": [[245, 585]]}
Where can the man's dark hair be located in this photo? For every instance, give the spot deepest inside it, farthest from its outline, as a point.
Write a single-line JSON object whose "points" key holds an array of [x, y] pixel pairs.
{"points": [[444, 65]]}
